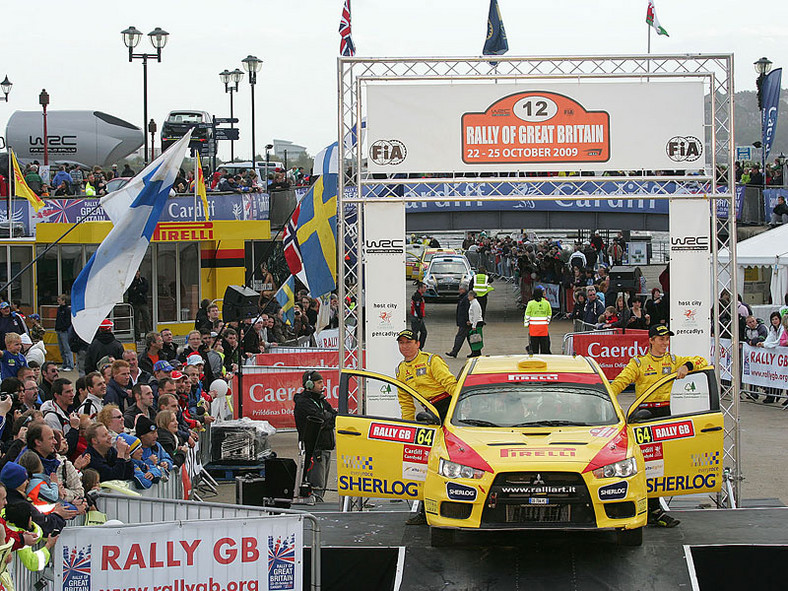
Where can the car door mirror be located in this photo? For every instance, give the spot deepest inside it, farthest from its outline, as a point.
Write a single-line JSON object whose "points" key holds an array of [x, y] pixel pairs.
{"points": [[427, 418]]}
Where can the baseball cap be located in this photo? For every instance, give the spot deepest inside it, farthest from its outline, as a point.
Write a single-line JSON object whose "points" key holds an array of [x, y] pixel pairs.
{"points": [[176, 375], [35, 317], [106, 323], [659, 331], [162, 365], [26, 339], [407, 333], [195, 359], [4, 305]]}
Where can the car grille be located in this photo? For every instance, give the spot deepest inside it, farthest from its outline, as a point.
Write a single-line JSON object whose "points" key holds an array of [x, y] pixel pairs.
{"points": [[539, 498]]}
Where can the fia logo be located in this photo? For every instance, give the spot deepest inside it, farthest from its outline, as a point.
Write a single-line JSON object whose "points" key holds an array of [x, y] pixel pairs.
{"points": [[684, 149], [384, 152]]}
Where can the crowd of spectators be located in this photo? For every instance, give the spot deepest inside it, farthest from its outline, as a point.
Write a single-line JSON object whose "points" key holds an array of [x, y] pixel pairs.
{"points": [[581, 272], [751, 174]]}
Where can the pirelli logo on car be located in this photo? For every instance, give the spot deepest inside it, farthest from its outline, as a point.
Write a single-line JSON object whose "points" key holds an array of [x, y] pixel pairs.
{"points": [[538, 452], [654, 433], [533, 377]]}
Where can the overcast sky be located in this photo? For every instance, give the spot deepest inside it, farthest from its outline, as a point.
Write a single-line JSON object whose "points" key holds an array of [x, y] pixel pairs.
{"points": [[74, 49]]}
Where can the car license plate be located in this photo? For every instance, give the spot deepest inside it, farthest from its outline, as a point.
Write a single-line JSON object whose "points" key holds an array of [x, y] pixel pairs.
{"points": [[538, 501]]}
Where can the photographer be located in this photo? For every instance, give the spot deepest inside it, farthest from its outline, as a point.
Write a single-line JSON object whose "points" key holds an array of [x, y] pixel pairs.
{"points": [[312, 407]]}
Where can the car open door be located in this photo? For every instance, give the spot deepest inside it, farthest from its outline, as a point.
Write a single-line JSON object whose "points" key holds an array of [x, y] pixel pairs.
{"points": [[682, 451], [382, 457]]}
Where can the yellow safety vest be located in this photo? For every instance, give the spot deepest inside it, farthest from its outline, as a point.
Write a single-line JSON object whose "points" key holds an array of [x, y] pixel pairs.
{"points": [[481, 285]]}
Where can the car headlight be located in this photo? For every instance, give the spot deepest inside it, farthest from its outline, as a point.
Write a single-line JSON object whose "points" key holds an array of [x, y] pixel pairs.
{"points": [[454, 470], [622, 469]]}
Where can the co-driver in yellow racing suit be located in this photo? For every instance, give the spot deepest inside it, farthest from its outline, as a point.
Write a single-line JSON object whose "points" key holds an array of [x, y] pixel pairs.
{"points": [[428, 374]]}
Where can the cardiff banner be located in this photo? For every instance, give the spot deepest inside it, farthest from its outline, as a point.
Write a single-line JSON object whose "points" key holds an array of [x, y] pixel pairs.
{"points": [[535, 126], [611, 351], [253, 554]]}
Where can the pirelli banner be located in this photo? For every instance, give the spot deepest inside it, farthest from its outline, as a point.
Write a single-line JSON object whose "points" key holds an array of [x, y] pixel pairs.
{"points": [[536, 127]]}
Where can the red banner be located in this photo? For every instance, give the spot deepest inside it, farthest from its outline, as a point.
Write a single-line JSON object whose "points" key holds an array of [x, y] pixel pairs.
{"points": [[268, 395], [611, 351], [305, 358]]}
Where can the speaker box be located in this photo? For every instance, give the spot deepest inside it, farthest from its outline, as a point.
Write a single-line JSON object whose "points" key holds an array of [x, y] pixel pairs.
{"points": [[276, 489], [624, 278], [250, 490], [239, 303], [280, 476]]}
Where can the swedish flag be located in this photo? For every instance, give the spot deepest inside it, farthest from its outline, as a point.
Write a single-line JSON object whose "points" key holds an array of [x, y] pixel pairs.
{"points": [[317, 225], [286, 298]]}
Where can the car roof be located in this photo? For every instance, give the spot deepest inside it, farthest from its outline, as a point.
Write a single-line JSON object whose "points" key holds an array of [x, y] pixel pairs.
{"points": [[513, 364]]}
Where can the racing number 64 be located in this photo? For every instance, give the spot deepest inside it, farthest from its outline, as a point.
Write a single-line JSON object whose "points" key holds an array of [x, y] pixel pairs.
{"points": [[425, 437]]}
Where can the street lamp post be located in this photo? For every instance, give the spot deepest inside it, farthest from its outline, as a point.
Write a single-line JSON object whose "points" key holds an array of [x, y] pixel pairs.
{"points": [[43, 100], [762, 66], [158, 38], [5, 85], [252, 65], [152, 132], [231, 80]]}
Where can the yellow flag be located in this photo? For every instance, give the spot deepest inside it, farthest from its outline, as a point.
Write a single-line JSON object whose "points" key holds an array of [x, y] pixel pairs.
{"points": [[20, 186], [201, 187]]}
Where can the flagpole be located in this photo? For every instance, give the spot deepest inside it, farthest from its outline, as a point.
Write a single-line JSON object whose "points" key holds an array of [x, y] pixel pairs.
{"points": [[648, 46], [50, 247], [11, 186], [195, 189]]}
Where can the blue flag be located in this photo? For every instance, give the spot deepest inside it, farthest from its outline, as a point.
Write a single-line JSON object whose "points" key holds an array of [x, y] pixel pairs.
{"points": [[317, 225], [770, 91], [496, 43], [134, 210], [286, 298]]}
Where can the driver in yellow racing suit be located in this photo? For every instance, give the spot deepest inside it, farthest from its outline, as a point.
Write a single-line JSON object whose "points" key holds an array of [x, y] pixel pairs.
{"points": [[647, 370], [427, 373]]}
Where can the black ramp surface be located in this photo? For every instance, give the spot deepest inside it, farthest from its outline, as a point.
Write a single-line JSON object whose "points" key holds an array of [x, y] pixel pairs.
{"points": [[741, 567], [536, 561]]}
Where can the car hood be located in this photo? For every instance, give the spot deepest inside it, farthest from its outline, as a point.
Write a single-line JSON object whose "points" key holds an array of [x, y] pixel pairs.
{"points": [[506, 450]]}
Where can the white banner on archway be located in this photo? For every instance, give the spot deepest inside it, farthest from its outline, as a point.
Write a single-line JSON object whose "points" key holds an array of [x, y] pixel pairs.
{"points": [[690, 277], [535, 126], [385, 312]]}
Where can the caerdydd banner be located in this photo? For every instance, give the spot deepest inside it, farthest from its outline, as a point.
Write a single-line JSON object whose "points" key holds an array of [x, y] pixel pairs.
{"points": [[384, 297], [253, 554], [765, 367], [690, 276], [535, 126]]}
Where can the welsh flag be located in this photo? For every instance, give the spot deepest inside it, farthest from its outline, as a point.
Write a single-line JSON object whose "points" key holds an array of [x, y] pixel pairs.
{"points": [[651, 19]]}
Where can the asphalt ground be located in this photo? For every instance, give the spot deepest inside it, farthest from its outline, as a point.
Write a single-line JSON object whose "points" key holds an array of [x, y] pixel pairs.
{"points": [[764, 439]]}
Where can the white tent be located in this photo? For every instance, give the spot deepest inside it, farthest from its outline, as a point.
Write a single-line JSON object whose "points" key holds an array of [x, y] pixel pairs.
{"points": [[768, 249]]}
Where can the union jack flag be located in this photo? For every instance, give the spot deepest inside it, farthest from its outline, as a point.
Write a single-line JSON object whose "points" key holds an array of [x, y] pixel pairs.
{"points": [[346, 46], [57, 210], [76, 564]]}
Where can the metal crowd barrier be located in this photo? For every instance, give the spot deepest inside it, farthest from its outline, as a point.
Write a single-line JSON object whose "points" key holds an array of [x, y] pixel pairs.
{"points": [[567, 347]]}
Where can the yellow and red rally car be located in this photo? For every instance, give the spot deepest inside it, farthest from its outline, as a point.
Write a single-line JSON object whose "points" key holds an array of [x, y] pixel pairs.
{"points": [[534, 443]]}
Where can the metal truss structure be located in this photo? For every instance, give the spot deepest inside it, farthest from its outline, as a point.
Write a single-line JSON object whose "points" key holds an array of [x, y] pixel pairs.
{"points": [[715, 183]]}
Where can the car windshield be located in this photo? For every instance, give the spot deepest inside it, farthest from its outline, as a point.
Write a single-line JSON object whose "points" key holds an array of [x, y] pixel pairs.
{"points": [[527, 405], [184, 118], [448, 268]]}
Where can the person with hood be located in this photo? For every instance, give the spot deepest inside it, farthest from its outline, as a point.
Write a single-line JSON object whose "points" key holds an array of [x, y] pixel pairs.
{"points": [[104, 345], [313, 410], [33, 351], [538, 314]]}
